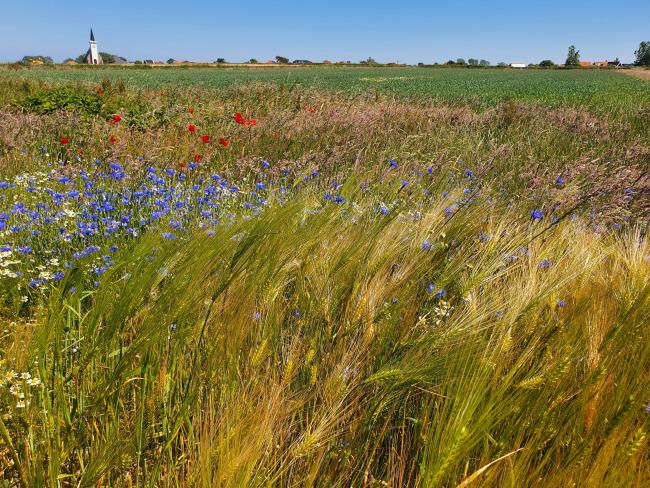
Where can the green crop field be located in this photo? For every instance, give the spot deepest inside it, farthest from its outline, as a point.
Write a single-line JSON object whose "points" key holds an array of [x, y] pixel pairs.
{"points": [[481, 86], [389, 277]]}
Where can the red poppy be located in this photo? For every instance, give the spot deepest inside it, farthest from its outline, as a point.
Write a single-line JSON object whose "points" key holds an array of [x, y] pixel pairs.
{"points": [[64, 140], [205, 138], [239, 118], [190, 110], [310, 109], [191, 128], [197, 158], [252, 122], [224, 142], [115, 119], [183, 165], [113, 139]]}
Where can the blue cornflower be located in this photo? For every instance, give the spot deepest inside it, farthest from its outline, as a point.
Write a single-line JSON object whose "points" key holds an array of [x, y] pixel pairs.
{"points": [[536, 214], [469, 172], [545, 264], [384, 210], [168, 235], [430, 170], [24, 249], [115, 166], [426, 245], [266, 164], [328, 196], [59, 276], [260, 186], [404, 183], [174, 224], [559, 181], [113, 248], [339, 199], [392, 163], [629, 191], [561, 303]]}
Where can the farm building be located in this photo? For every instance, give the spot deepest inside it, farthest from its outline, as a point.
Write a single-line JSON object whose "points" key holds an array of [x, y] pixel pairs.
{"points": [[517, 65]]}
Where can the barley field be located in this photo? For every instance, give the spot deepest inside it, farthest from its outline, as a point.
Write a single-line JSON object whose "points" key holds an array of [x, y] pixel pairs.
{"points": [[324, 277]]}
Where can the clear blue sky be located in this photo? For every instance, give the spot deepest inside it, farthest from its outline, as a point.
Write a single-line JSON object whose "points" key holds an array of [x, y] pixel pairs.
{"points": [[407, 31]]}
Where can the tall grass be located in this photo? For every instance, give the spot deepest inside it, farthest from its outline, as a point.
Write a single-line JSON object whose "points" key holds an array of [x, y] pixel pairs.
{"points": [[303, 348]]}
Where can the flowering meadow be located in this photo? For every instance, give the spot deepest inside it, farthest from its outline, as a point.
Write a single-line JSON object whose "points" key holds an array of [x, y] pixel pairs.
{"points": [[272, 285]]}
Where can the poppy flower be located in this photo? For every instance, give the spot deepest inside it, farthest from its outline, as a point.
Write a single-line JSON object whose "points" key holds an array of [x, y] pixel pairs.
{"points": [[183, 165], [197, 158], [205, 138], [252, 122], [310, 109], [113, 139], [64, 140], [115, 119], [191, 128], [239, 118], [224, 142], [190, 110]]}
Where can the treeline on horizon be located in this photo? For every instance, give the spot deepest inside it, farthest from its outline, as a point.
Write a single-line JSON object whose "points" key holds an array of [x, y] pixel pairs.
{"points": [[642, 58]]}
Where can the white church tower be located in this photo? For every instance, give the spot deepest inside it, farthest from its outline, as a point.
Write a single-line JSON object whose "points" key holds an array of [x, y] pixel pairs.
{"points": [[92, 56]]}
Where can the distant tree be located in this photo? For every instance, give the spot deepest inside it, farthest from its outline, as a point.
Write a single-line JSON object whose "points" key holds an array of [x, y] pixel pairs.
{"points": [[370, 60], [572, 57], [171, 61], [460, 61], [643, 54], [501, 64], [253, 61], [420, 64], [547, 63], [484, 62], [36, 60], [220, 61], [137, 61], [67, 60], [472, 62], [148, 61], [281, 60], [451, 62]]}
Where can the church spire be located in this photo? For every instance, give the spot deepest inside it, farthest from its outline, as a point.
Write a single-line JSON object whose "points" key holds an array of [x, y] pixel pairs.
{"points": [[93, 56]]}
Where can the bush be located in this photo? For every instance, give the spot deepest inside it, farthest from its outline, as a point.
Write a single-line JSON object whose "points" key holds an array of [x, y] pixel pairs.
{"points": [[51, 100]]}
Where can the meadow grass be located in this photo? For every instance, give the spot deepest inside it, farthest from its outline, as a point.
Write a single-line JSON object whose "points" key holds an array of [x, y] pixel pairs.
{"points": [[354, 291]]}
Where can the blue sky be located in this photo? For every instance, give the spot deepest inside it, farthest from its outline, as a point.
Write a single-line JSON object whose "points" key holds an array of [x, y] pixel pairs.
{"points": [[408, 31]]}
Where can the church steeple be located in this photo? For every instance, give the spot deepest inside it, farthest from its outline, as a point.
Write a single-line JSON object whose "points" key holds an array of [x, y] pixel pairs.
{"points": [[92, 56]]}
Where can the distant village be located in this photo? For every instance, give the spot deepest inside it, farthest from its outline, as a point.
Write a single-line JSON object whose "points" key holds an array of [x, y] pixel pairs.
{"points": [[94, 57]]}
